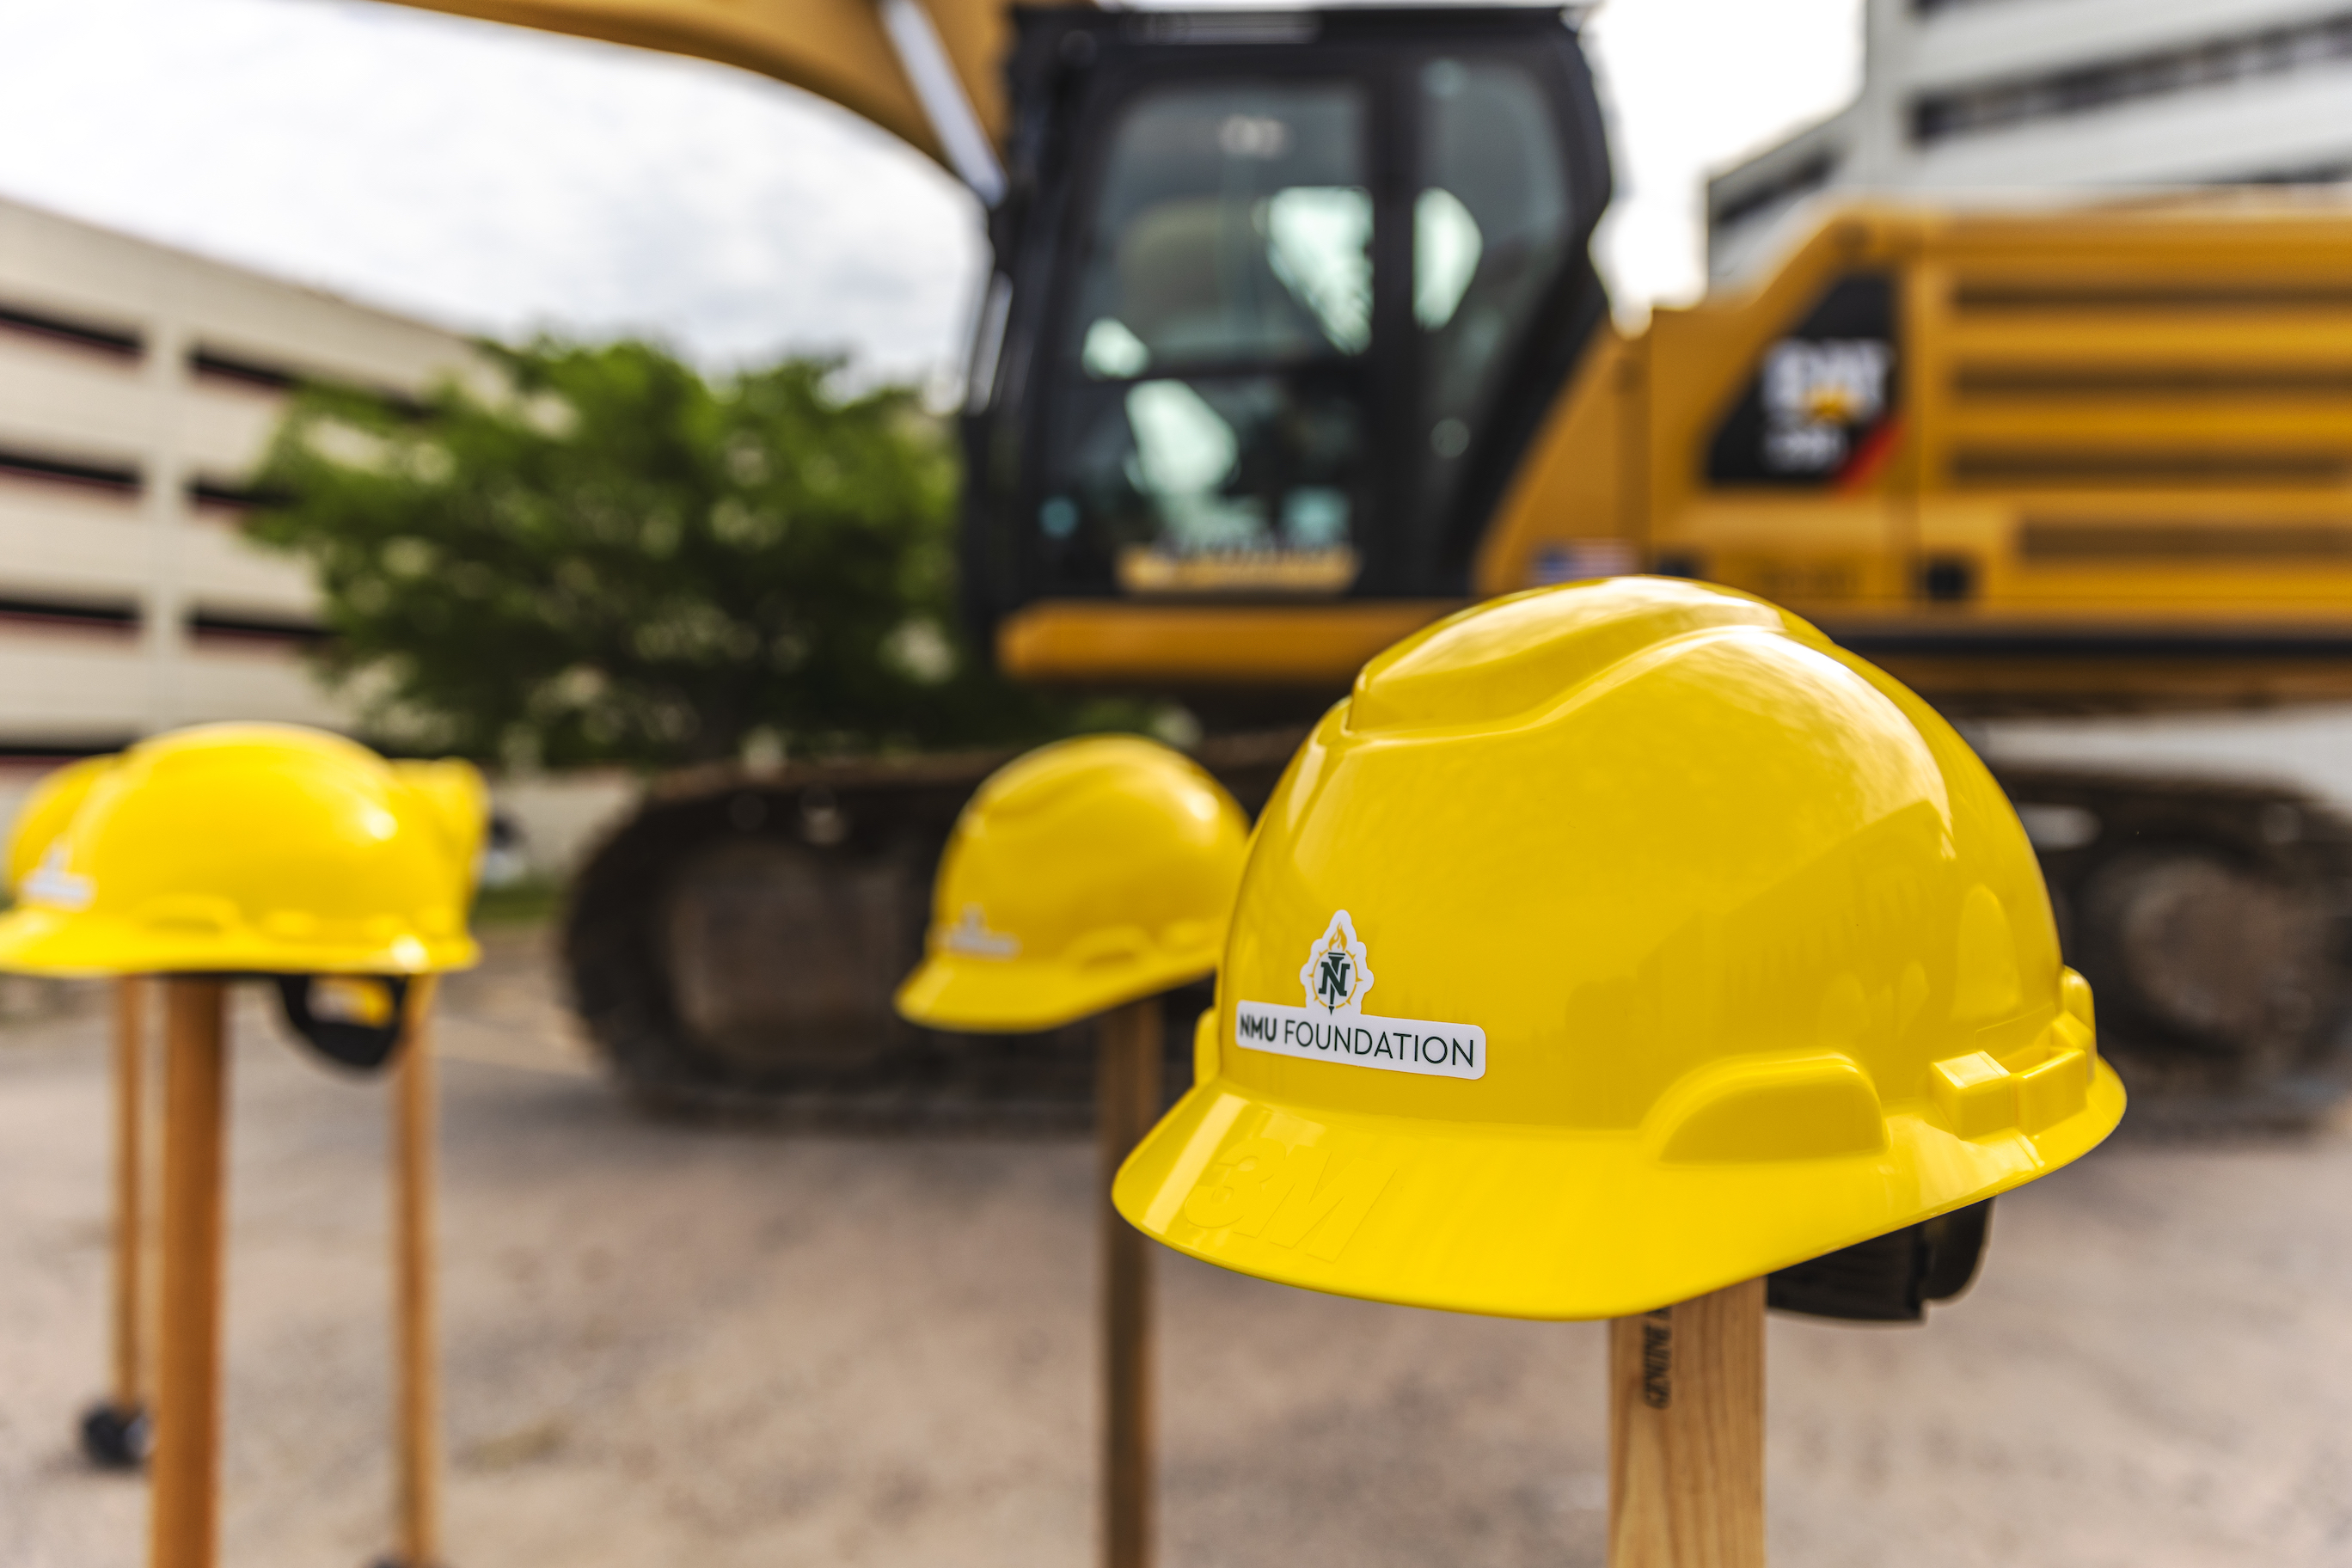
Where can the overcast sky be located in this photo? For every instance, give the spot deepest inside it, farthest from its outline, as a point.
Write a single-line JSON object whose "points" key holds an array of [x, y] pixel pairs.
{"points": [[499, 181]]}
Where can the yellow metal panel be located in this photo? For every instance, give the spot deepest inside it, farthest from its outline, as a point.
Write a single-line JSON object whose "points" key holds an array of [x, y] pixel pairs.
{"points": [[1924, 314], [2131, 432], [1110, 641], [2185, 613], [1571, 484], [1980, 683], [2185, 594], [2266, 424], [2140, 339], [1760, 519], [1817, 554]]}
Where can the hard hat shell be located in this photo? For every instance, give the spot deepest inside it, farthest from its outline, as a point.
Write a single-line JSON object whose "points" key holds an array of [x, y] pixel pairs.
{"points": [[360, 1020], [250, 848], [456, 806], [49, 807], [1086, 874], [1760, 951]]}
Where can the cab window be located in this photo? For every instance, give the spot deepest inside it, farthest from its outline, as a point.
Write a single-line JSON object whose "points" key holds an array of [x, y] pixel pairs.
{"points": [[1492, 231], [1211, 410]]}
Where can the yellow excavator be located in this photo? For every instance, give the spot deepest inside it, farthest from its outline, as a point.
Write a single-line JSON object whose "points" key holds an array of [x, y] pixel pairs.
{"points": [[1292, 344]]}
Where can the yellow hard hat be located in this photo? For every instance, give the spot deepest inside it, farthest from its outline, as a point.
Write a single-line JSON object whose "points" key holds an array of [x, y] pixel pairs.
{"points": [[248, 848], [457, 805], [1083, 875], [49, 807], [358, 1020], [1760, 950]]}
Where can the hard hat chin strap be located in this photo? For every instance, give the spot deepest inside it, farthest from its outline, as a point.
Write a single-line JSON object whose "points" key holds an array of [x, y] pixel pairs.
{"points": [[354, 1020], [1889, 1279]]}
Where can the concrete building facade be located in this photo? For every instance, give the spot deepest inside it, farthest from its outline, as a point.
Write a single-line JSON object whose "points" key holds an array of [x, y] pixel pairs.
{"points": [[2009, 100], [139, 386]]}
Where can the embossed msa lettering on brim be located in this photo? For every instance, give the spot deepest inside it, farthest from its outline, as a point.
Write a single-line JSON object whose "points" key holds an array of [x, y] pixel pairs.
{"points": [[1290, 1194]]}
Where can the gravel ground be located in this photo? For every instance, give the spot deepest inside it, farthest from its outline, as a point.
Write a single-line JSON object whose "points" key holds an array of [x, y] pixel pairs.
{"points": [[671, 1345]]}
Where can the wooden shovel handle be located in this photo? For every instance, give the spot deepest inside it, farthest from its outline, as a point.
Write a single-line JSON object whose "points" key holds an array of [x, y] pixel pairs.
{"points": [[415, 1329], [1686, 1434], [1128, 1090], [183, 1525]]}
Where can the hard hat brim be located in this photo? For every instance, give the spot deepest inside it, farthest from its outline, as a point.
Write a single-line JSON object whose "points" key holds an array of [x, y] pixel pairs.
{"points": [[1526, 1222], [35, 941], [990, 996]]}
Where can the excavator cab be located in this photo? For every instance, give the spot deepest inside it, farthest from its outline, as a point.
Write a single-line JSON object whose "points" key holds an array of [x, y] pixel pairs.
{"points": [[1278, 301]]}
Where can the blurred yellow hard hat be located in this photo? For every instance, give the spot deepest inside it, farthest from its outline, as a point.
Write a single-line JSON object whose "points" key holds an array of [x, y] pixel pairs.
{"points": [[1611, 944], [49, 807], [251, 848], [1083, 875], [458, 806]]}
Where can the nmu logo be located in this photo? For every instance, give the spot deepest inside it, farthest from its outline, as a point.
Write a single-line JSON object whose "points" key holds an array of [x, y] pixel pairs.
{"points": [[1337, 973], [1334, 978]]}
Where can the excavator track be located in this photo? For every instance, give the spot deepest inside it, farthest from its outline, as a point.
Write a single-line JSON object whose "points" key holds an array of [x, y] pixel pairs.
{"points": [[2212, 920]]}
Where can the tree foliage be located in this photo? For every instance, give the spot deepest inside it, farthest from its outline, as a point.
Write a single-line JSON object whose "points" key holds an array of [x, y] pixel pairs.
{"points": [[596, 554]]}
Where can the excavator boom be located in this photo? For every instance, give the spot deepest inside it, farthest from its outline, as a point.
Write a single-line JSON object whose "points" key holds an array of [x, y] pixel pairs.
{"points": [[870, 56]]}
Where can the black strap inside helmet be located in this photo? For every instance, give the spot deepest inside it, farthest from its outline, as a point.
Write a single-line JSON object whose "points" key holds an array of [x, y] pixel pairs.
{"points": [[1889, 1279], [352, 1019]]}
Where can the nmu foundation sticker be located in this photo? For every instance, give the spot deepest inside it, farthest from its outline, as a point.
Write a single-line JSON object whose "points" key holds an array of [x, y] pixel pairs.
{"points": [[1333, 1026]]}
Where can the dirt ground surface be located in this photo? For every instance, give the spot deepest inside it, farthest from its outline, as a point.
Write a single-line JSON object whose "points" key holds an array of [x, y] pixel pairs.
{"points": [[668, 1344]]}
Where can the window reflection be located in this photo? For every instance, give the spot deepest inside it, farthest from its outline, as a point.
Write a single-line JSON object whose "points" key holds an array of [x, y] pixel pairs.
{"points": [[1112, 353], [1445, 248], [1209, 485], [1234, 224], [1490, 240], [1211, 434], [1319, 242]]}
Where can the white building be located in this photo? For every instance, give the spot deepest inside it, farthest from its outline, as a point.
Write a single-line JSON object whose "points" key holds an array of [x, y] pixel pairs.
{"points": [[139, 386], [2006, 98]]}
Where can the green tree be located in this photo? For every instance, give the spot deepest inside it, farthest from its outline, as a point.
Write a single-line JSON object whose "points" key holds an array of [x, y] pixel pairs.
{"points": [[596, 554]]}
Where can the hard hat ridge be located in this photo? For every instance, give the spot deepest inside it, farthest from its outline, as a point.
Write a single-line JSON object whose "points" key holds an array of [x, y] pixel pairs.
{"points": [[1515, 659]]}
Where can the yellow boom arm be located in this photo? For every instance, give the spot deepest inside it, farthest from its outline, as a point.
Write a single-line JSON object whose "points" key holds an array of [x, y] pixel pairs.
{"points": [[854, 53]]}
